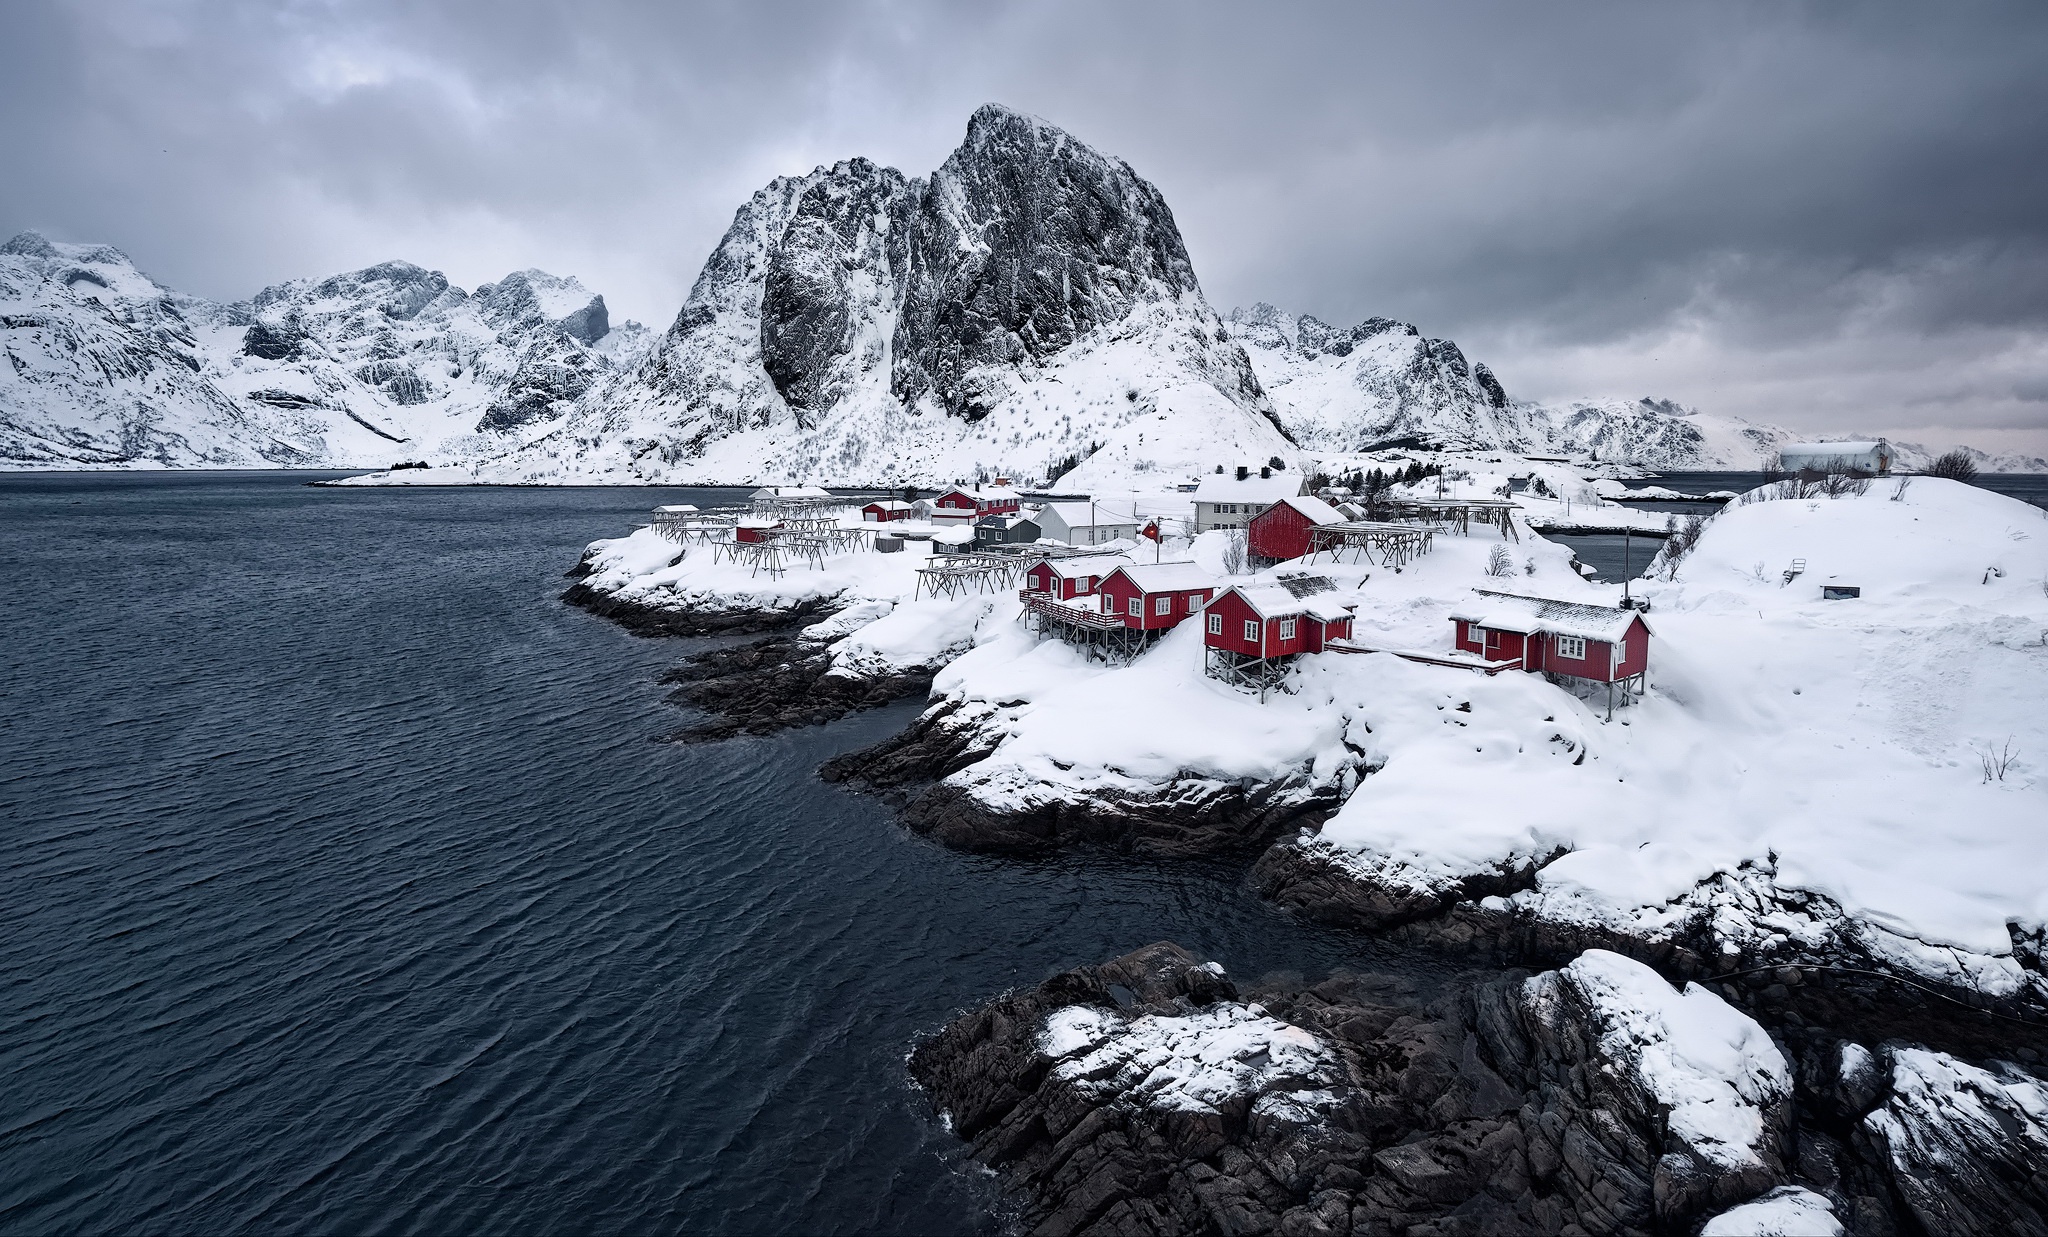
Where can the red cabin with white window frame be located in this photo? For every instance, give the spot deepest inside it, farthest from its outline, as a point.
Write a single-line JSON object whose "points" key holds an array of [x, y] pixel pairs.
{"points": [[966, 504], [1064, 579], [1281, 531], [1267, 621], [1156, 596], [885, 511], [1603, 644]]}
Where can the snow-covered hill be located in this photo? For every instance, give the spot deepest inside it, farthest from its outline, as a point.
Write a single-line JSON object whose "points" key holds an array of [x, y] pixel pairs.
{"points": [[1029, 305], [108, 367]]}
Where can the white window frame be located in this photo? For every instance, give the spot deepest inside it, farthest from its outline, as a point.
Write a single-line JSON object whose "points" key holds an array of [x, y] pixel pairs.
{"points": [[1571, 648], [1215, 624], [1251, 630], [1164, 605], [1287, 629], [1137, 607]]}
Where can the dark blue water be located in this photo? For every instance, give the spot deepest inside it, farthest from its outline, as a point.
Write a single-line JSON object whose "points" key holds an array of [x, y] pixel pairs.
{"points": [[344, 892]]}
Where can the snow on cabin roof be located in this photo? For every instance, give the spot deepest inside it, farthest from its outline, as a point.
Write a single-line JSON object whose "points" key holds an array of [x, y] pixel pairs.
{"points": [[1829, 448], [1305, 583], [675, 509], [1271, 601], [791, 491], [889, 504], [1081, 566], [1226, 488], [1317, 511], [758, 521], [1515, 612], [1095, 515], [1167, 577]]}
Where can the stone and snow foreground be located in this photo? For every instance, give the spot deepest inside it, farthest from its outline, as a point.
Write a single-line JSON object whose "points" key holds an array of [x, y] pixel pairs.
{"points": [[1807, 784]]}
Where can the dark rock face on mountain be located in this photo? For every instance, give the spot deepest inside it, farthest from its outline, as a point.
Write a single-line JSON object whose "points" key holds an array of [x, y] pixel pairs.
{"points": [[1024, 241]]}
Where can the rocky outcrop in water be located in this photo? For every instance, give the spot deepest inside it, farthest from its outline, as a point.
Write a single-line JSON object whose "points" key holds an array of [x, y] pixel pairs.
{"points": [[776, 684], [1154, 1095], [647, 620]]}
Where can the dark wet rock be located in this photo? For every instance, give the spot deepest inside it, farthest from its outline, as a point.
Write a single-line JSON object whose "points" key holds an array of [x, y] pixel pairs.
{"points": [[1480, 1107], [1197, 816], [646, 620], [776, 684], [1966, 1146]]}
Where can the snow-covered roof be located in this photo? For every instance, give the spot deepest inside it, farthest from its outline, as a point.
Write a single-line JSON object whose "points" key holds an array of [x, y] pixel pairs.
{"points": [[1226, 488], [1829, 448], [1271, 601], [1095, 515], [1515, 612], [759, 521], [792, 491], [1010, 519], [674, 509], [888, 504], [1317, 511], [1168, 577], [1081, 566]]}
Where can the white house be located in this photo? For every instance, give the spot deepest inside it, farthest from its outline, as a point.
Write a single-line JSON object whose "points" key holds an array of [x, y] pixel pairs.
{"points": [[1089, 523], [1231, 499], [1874, 458]]}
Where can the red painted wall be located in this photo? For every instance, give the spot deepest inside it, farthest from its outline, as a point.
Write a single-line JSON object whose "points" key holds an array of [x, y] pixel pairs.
{"points": [[1120, 588], [1310, 634], [1042, 579], [1278, 532]]}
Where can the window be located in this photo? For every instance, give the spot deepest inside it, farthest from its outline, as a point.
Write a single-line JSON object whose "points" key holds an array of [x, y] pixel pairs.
{"points": [[1572, 648], [1215, 624], [1137, 607], [1287, 629], [1251, 630], [1164, 605]]}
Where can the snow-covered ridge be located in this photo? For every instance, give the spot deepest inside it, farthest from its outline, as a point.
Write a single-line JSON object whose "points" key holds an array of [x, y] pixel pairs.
{"points": [[358, 369]]}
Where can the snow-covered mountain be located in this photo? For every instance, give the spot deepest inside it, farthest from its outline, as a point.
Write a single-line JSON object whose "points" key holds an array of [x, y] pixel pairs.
{"points": [[108, 367], [1027, 306], [1383, 384]]}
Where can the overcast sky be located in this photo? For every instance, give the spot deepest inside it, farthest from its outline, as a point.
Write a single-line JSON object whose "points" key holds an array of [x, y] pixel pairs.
{"points": [[1834, 217]]}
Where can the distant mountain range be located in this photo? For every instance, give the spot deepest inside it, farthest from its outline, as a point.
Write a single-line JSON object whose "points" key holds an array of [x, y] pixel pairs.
{"points": [[1028, 310]]}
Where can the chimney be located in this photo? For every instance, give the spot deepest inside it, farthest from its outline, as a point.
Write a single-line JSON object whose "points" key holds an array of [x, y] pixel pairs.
{"points": [[1265, 474], [1243, 472]]}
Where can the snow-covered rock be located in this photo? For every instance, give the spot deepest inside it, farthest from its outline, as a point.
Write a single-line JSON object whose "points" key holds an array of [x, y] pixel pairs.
{"points": [[1029, 304], [1966, 1144], [1788, 1211]]}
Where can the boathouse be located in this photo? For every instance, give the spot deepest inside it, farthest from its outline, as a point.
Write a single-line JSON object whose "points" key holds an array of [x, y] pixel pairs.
{"points": [[1011, 529], [1090, 522], [1066, 578], [1281, 531], [1561, 639], [886, 510], [1155, 596], [754, 528]]}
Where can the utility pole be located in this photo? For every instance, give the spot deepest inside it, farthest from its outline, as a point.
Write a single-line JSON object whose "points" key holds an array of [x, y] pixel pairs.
{"points": [[1626, 604]]}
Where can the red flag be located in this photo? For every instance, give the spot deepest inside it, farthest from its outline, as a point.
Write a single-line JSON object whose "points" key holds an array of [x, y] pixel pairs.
{"points": [[1150, 530]]}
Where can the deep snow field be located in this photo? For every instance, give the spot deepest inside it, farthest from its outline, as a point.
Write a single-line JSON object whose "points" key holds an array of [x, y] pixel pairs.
{"points": [[1787, 744]]}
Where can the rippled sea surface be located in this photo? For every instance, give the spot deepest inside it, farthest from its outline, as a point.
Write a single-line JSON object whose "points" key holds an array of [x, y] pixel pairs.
{"points": [[343, 891]]}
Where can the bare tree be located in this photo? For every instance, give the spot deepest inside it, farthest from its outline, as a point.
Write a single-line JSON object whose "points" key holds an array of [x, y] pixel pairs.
{"points": [[1899, 493], [1499, 562], [1998, 759], [1234, 554], [1955, 465]]}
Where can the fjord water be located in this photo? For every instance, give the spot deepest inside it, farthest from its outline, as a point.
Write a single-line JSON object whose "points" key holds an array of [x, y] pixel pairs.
{"points": [[343, 891]]}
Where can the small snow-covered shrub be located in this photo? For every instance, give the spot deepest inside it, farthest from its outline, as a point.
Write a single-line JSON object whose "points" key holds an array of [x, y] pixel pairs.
{"points": [[1955, 465], [1899, 493], [1499, 562], [1234, 554]]}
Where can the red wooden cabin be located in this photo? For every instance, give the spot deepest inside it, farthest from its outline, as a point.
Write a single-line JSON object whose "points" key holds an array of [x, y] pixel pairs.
{"points": [[753, 528], [1066, 578], [1268, 620], [963, 504], [1281, 531], [885, 510], [1603, 644], [1156, 596]]}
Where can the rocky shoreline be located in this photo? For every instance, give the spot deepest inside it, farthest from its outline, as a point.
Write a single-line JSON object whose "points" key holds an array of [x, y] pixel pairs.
{"points": [[1151, 1094], [776, 684]]}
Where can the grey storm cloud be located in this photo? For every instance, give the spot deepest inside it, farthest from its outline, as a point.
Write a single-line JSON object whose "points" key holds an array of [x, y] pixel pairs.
{"points": [[1832, 216]]}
